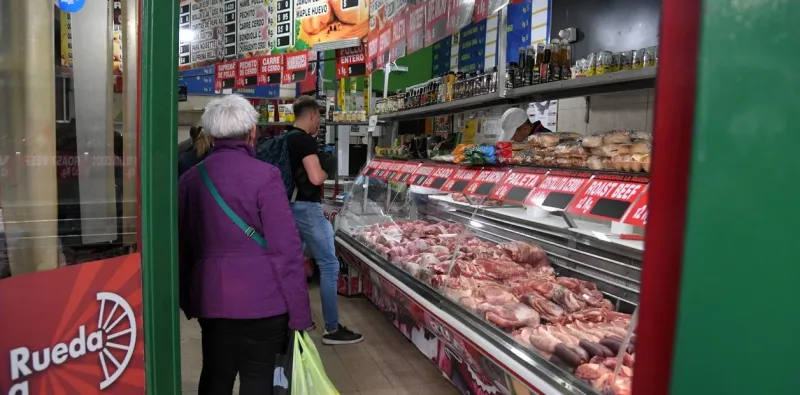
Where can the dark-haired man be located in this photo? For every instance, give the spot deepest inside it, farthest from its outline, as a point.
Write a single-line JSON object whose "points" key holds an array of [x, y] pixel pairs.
{"points": [[315, 230]]}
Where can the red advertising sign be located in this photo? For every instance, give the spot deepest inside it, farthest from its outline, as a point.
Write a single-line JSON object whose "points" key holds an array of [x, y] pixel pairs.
{"points": [[399, 35], [371, 168], [459, 14], [421, 175], [405, 172], [557, 189], [439, 176], [384, 45], [392, 170], [295, 67], [225, 76], [606, 199], [83, 338], [382, 172], [637, 214], [415, 28], [247, 72], [372, 50], [484, 182], [269, 70], [436, 20], [460, 180], [517, 185], [481, 10], [351, 62]]}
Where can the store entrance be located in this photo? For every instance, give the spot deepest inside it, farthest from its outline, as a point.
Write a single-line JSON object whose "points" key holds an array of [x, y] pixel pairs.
{"points": [[73, 287]]}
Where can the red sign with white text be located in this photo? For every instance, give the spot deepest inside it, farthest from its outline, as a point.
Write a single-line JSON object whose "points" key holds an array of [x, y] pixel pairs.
{"points": [[247, 72], [436, 12], [405, 172], [225, 76], [415, 25], [422, 174], [481, 10], [557, 189], [269, 70], [399, 34], [83, 336], [295, 67], [371, 167], [351, 62], [439, 177], [484, 182], [460, 180], [637, 215], [606, 198], [393, 169], [517, 185], [382, 172], [384, 45]]}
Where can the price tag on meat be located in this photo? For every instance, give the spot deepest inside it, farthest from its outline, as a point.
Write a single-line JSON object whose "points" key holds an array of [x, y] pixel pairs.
{"points": [[483, 183], [459, 181], [606, 199], [422, 174], [405, 172], [637, 215], [516, 186], [439, 176], [371, 168], [557, 191]]}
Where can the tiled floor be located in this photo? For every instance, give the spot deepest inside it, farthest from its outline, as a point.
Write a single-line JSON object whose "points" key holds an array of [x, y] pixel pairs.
{"points": [[385, 363]]}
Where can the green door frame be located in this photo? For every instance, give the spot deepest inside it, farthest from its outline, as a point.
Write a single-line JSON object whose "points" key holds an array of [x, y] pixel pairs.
{"points": [[158, 194]]}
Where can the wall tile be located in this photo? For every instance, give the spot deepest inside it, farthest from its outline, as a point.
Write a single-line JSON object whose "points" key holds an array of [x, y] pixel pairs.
{"points": [[572, 102], [631, 116], [650, 125], [601, 118], [571, 120]]}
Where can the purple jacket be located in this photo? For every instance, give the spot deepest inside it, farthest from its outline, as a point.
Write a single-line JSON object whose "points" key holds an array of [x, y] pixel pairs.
{"points": [[224, 273]]}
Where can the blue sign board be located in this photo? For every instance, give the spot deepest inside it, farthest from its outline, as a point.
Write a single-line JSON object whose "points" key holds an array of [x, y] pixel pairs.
{"points": [[471, 47], [208, 70], [71, 5], [441, 56], [198, 85], [261, 92], [519, 29]]}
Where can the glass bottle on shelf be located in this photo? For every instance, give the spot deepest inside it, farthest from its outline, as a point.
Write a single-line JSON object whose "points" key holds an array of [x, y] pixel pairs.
{"points": [[520, 78], [537, 72]]}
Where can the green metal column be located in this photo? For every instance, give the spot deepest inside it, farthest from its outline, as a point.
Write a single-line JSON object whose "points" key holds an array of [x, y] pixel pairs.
{"points": [[738, 315], [158, 195]]}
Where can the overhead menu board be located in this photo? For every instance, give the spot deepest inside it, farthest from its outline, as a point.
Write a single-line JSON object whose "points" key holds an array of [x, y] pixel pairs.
{"points": [[284, 24], [441, 57], [471, 47], [518, 33], [253, 29], [295, 67]]}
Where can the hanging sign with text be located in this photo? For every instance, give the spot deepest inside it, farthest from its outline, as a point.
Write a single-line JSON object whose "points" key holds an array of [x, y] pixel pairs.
{"points": [[295, 67], [441, 57], [439, 177], [247, 72], [421, 175], [269, 70], [435, 20], [225, 77], [637, 214], [471, 47], [415, 28], [405, 172], [351, 62], [459, 181]]}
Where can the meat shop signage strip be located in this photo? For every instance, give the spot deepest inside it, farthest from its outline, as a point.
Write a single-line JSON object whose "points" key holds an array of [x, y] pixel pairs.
{"points": [[459, 181], [383, 169], [405, 172], [351, 62], [421, 174], [371, 167], [295, 67], [556, 191], [439, 176], [247, 72], [516, 186], [484, 182], [637, 214], [225, 78], [606, 199], [269, 69], [394, 169]]}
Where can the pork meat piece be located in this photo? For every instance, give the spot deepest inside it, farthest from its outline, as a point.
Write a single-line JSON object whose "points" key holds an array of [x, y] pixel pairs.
{"points": [[613, 330], [563, 334], [542, 340], [427, 259], [525, 253], [496, 295], [522, 336], [567, 299], [501, 269], [548, 310], [591, 314], [541, 273], [510, 317], [435, 229], [573, 330]]}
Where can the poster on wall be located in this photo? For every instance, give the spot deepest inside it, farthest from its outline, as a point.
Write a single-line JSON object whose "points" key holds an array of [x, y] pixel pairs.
{"points": [[436, 20], [415, 28], [471, 47], [398, 49], [351, 62], [518, 33], [116, 37], [459, 14], [295, 67], [441, 57], [324, 21], [484, 8], [84, 337]]}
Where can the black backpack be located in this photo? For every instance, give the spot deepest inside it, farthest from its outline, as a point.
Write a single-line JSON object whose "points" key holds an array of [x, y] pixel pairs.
{"points": [[275, 151]]}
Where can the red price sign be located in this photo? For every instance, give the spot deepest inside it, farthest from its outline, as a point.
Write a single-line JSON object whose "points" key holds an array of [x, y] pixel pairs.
{"points": [[371, 168], [481, 10], [399, 35], [637, 215], [484, 182], [436, 12], [225, 76], [606, 199], [393, 169], [421, 175], [557, 190], [295, 67], [351, 62], [516, 185], [439, 177], [460, 180], [269, 69], [415, 25], [247, 72], [406, 170], [383, 169], [385, 44]]}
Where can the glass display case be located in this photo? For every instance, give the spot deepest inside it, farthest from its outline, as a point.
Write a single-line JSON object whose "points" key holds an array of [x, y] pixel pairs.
{"points": [[519, 295]]}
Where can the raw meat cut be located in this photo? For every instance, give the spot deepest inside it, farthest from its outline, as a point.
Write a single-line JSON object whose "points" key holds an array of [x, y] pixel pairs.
{"points": [[510, 316], [524, 253], [501, 269], [548, 310], [567, 299], [495, 294]]}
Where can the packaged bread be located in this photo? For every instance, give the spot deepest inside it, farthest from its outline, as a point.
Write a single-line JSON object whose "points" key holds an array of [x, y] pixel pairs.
{"points": [[578, 161], [607, 163], [610, 150], [569, 148], [640, 162], [639, 135], [543, 150], [594, 162], [593, 140], [564, 162], [546, 139], [569, 136], [622, 162], [640, 147], [548, 160], [515, 146], [617, 137]]}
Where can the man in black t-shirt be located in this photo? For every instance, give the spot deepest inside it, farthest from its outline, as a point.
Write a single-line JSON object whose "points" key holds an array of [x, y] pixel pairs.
{"points": [[315, 230]]}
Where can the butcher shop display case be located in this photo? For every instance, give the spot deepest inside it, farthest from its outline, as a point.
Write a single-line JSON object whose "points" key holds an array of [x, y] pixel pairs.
{"points": [[508, 278]]}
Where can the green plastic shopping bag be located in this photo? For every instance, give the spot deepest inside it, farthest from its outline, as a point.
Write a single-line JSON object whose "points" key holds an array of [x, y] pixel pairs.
{"points": [[308, 373]]}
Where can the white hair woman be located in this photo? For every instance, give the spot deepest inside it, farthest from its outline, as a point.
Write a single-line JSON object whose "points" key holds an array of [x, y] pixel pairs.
{"points": [[241, 267]]}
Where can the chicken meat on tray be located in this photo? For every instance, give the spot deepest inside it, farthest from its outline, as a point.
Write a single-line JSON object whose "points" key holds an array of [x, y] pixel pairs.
{"points": [[512, 286]]}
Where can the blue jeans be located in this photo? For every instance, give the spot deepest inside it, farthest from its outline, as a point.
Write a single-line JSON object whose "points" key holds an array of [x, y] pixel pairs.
{"points": [[317, 234]]}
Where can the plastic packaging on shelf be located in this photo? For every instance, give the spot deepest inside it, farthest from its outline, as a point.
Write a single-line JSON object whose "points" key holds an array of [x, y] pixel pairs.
{"points": [[545, 140], [593, 140], [617, 137], [570, 148], [640, 147], [610, 150]]}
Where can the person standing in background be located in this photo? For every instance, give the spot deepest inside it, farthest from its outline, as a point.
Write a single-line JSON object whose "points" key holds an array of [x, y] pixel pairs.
{"points": [[315, 230], [202, 147], [241, 267], [518, 127], [188, 144]]}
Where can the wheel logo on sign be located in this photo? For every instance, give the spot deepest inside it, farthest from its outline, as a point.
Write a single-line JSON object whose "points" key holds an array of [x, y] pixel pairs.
{"points": [[114, 341]]}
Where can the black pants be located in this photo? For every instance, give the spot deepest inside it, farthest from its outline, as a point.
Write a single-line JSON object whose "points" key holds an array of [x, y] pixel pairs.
{"points": [[246, 347]]}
